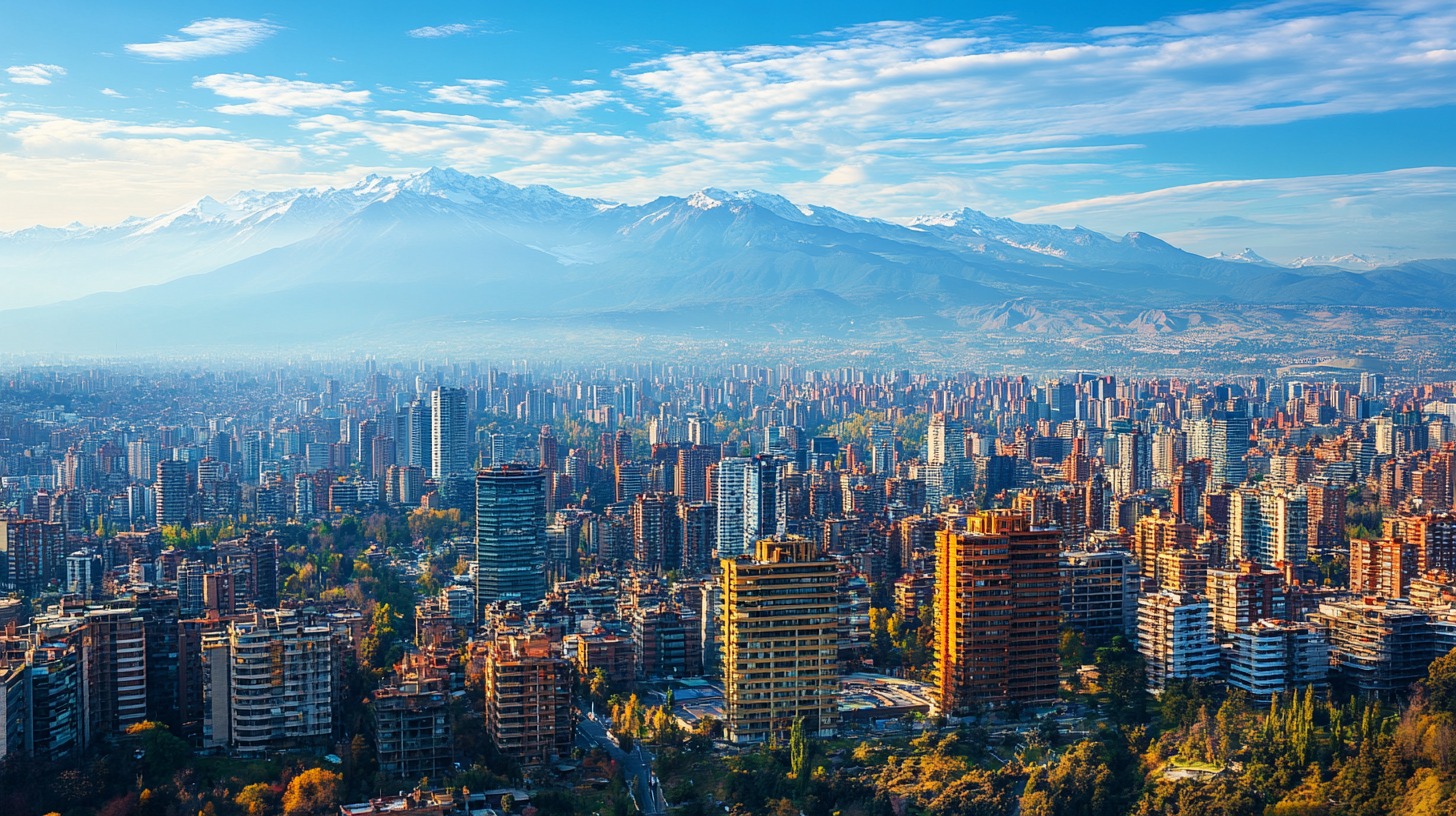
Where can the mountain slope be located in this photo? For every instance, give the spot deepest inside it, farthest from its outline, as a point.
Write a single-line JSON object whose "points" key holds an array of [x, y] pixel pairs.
{"points": [[426, 254]]}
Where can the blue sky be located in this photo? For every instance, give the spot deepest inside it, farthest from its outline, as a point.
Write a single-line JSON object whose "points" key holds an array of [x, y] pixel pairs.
{"points": [[1296, 128]]}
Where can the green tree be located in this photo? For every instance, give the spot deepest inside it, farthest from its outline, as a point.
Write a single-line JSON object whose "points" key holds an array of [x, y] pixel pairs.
{"points": [[1124, 681], [798, 749], [1440, 684], [162, 753]]}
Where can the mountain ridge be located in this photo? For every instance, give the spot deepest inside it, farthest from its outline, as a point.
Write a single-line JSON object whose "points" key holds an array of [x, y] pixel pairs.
{"points": [[447, 247]]}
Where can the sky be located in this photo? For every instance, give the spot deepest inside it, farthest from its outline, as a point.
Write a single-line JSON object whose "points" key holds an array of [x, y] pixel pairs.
{"points": [[1294, 128]]}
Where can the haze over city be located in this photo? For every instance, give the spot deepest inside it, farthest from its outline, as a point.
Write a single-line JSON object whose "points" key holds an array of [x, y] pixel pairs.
{"points": [[853, 409]]}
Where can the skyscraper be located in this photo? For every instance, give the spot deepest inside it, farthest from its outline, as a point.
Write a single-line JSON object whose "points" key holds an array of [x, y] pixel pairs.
{"points": [[945, 443], [171, 487], [31, 555], [417, 450], [1228, 445], [510, 535], [728, 479], [449, 436], [781, 641], [997, 608]]}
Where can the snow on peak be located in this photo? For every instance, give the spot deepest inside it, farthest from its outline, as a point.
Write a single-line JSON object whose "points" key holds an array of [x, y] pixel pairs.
{"points": [[1246, 255], [1350, 261], [708, 199]]}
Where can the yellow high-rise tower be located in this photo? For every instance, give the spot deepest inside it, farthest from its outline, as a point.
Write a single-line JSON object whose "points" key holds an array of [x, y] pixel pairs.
{"points": [[780, 641]]}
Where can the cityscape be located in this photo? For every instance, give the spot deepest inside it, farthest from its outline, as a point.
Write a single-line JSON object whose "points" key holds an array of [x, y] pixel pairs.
{"points": [[853, 409], [676, 587]]}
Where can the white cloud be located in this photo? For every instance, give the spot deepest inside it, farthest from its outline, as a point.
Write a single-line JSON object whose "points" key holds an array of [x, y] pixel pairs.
{"points": [[1393, 214], [448, 30], [1265, 65], [466, 92], [212, 37], [275, 96], [545, 105], [38, 74], [106, 170], [112, 93]]}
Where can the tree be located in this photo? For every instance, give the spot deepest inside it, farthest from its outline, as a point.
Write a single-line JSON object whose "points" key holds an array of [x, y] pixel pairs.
{"points": [[598, 687], [162, 753], [1123, 680], [257, 799], [798, 749], [1072, 650], [312, 793], [1440, 683]]}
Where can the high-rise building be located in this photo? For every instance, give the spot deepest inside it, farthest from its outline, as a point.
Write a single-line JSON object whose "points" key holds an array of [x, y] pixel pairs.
{"points": [[55, 698], [412, 727], [666, 641], [528, 698], [997, 608], [656, 533], [691, 475], [780, 641], [760, 499], [171, 488], [1243, 594], [1156, 533], [1269, 526], [449, 435], [882, 448], [1099, 593], [510, 535], [269, 683], [1175, 638], [729, 475], [699, 536], [114, 659], [141, 460], [945, 445], [31, 555], [14, 707], [419, 451], [1275, 657], [1228, 445], [1378, 647]]}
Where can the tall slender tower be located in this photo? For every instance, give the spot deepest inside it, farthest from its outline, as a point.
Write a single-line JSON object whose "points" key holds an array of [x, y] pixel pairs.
{"points": [[448, 434], [171, 492], [510, 535]]}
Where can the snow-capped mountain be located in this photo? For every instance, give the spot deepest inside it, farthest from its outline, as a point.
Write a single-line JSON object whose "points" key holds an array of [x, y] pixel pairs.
{"points": [[1245, 255], [1356, 263], [442, 245]]}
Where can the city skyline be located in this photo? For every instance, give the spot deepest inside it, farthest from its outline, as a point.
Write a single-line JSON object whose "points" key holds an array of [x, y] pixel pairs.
{"points": [[1292, 128]]}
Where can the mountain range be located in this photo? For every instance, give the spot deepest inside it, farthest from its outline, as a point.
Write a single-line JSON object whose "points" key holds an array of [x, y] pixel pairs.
{"points": [[409, 260]]}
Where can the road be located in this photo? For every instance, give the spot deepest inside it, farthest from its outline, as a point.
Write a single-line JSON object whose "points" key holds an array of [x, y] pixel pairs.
{"points": [[636, 767]]}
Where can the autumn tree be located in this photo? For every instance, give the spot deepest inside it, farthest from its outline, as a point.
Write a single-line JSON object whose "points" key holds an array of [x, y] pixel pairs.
{"points": [[314, 792]]}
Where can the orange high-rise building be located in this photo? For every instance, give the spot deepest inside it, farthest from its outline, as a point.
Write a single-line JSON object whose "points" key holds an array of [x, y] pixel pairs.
{"points": [[997, 608]]}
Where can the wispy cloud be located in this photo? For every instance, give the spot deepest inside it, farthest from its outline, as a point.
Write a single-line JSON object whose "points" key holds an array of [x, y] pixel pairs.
{"points": [[1279, 63], [38, 74], [212, 37], [275, 96], [542, 106], [466, 92], [92, 164], [114, 94], [447, 30], [1396, 213]]}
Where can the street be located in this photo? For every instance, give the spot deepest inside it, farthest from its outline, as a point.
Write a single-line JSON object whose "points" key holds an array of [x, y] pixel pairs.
{"points": [[636, 767]]}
